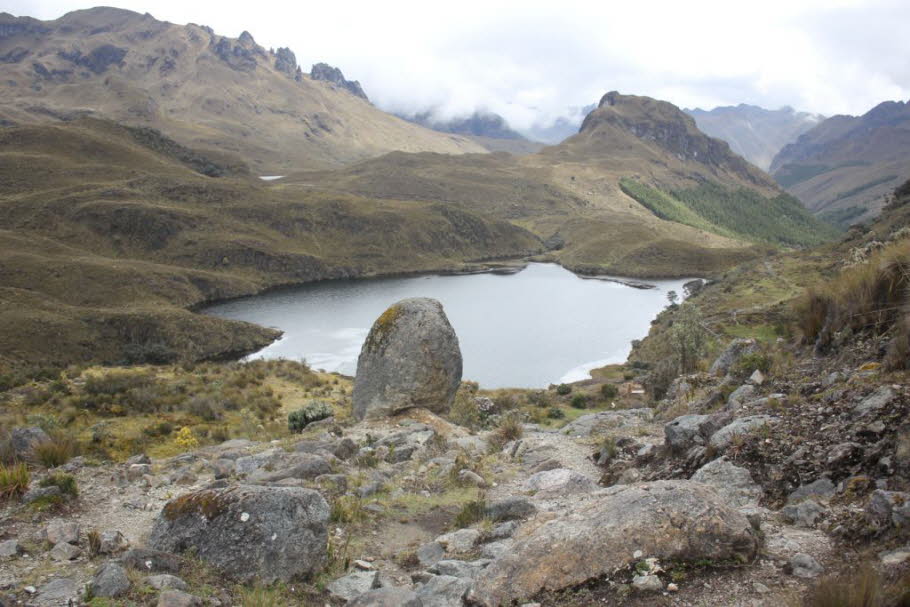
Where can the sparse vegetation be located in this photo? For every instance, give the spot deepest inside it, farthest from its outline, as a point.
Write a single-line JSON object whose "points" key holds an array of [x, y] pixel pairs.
{"points": [[313, 412], [14, 480], [65, 482]]}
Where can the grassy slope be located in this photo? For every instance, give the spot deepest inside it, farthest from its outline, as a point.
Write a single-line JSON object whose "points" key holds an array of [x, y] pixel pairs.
{"points": [[107, 241]]}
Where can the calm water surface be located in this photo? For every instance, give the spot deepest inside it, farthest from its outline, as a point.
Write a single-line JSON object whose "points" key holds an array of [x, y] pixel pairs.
{"points": [[540, 326]]}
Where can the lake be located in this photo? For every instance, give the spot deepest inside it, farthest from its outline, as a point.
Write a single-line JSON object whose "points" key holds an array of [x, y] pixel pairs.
{"points": [[539, 326]]}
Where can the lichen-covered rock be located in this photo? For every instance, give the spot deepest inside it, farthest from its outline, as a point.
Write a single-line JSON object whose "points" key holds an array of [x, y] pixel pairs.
{"points": [[410, 358], [668, 520], [741, 427], [732, 355], [24, 440], [559, 482], [248, 532], [110, 581], [387, 597], [734, 483]]}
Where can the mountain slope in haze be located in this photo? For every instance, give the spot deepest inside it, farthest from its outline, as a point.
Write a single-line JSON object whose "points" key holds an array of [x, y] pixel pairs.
{"points": [[110, 234], [485, 128], [202, 89], [572, 195], [561, 128], [753, 132], [844, 168]]}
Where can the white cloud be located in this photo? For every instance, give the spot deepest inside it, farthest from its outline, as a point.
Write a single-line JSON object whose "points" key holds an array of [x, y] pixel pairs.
{"points": [[532, 59]]}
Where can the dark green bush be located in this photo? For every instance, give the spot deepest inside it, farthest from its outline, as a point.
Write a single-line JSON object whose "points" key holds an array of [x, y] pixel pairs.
{"points": [[65, 482], [555, 413], [609, 391], [313, 412], [579, 401], [563, 389]]}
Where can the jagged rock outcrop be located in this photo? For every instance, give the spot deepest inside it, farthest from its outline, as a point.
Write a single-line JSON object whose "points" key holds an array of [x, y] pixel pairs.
{"points": [[286, 61], [411, 358], [672, 520], [248, 532], [324, 71]]}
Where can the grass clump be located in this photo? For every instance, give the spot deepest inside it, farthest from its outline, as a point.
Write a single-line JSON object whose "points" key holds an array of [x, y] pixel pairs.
{"points": [[14, 480], [510, 428], [864, 587], [470, 513], [57, 451], [65, 482], [347, 509]]}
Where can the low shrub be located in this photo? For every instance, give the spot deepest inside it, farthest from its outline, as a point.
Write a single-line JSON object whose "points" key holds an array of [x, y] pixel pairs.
{"points": [[465, 411], [347, 509], [555, 413], [65, 482], [751, 362], [609, 391], [539, 398], [313, 412], [563, 389], [579, 401], [14, 480], [57, 451]]}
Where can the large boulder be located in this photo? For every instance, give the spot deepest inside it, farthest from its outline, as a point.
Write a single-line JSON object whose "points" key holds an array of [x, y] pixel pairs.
{"points": [[734, 483], [410, 358], [24, 440], [248, 532], [669, 520]]}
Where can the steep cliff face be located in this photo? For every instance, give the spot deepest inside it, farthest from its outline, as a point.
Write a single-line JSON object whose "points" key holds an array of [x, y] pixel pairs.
{"points": [[200, 88], [845, 167]]}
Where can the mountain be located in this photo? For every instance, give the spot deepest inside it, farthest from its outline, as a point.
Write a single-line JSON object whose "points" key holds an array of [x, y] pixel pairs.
{"points": [[844, 168], [204, 90], [485, 128], [560, 129], [638, 191], [755, 133]]}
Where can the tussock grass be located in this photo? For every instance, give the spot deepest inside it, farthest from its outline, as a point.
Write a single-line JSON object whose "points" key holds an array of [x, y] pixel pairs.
{"points": [[14, 480], [864, 587], [57, 451]]}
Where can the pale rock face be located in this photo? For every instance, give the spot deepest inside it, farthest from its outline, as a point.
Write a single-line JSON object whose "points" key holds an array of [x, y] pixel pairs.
{"points": [[411, 358]]}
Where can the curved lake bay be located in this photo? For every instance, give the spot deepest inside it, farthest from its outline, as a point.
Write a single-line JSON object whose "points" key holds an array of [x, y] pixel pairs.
{"points": [[539, 326]]}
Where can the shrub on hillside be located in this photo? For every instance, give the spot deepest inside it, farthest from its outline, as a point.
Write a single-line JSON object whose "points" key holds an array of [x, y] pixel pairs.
{"points": [[579, 401], [14, 480], [563, 389], [313, 412], [609, 391]]}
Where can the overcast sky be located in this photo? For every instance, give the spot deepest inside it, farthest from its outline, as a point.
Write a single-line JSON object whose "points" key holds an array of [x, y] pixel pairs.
{"points": [[530, 61]]}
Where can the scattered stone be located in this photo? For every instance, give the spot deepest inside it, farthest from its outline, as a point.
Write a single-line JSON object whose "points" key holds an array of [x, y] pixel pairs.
{"points": [[112, 542], [469, 477], [62, 531], [64, 552], [150, 561], [668, 520], [165, 581], [804, 566], [510, 508], [686, 431], [110, 581], [354, 584], [594, 423], [743, 426], [459, 541], [561, 481], [59, 591], [732, 482], [889, 508], [246, 532], [36, 493], [178, 598], [24, 440], [822, 488], [804, 514], [647, 583], [430, 554], [757, 378], [738, 348], [137, 471], [443, 591], [460, 569], [10, 549], [387, 597], [879, 399], [503, 530], [895, 557], [760, 588], [411, 358], [740, 396]]}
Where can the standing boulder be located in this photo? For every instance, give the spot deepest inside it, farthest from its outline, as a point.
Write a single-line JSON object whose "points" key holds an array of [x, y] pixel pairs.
{"points": [[248, 532], [732, 355], [410, 358]]}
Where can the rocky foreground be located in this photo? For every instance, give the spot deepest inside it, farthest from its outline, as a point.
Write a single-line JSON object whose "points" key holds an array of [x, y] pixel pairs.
{"points": [[741, 500]]}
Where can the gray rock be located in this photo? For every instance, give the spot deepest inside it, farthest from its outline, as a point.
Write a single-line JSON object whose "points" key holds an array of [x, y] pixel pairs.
{"points": [[24, 440], [10, 549], [150, 561], [222, 467], [757, 378], [410, 358], [246, 532], [59, 531], [895, 557], [804, 566], [354, 584], [59, 591], [598, 423], [806, 513], [64, 552], [37, 493], [178, 598], [667, 520], [504, 530], [112, 542], [822, 488], [732, 482], [879, 399], [110, 581], [387, 597], [368, 489], [509, 509], [686, 431], [430, 554], [732, 355], [743, 426], [471, 478], [887, 508], [462, 569], [494, 550], [332, 483], [443, 591], [459, 541], [647, 583], [165, 581], [741, 395], [304, 466], [251, 463], [561, 481]]}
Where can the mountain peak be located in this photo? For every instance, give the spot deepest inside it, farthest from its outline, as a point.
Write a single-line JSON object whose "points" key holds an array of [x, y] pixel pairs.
{"points": [[328, 73]]}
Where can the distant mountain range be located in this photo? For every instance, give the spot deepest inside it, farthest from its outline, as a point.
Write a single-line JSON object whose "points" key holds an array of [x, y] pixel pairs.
{"points": [[485, 128], [755, 133], [203, 89], [845, 167]]}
